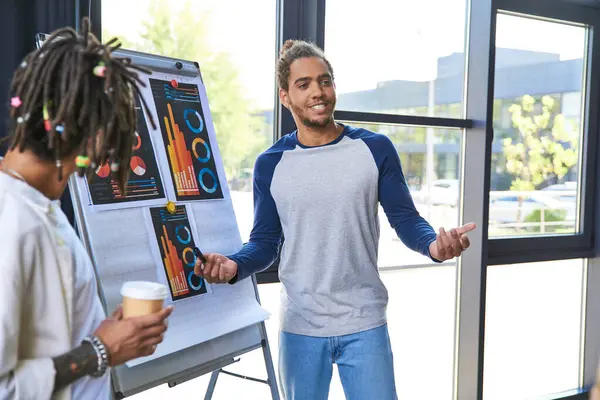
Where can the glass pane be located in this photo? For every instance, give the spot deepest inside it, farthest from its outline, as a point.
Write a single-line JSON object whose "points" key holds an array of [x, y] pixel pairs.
{"points": [[536, 153], [421, 316], [402, 58], [241, 93], [532, 329], [432, 168], [421, 327]]}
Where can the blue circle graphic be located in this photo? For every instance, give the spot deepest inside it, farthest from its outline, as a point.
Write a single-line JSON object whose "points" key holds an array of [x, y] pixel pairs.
{"points": [[206, 148], [212, 174], [189, 235], [192, 285], [187, 121]]}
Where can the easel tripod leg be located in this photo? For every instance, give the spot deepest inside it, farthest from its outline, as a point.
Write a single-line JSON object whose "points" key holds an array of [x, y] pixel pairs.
{"points": [[211, 385], [272, 380]]}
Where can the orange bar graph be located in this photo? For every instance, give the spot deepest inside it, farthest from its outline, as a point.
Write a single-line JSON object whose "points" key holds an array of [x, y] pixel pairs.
{"points": [[180, 159], [174, 266]]}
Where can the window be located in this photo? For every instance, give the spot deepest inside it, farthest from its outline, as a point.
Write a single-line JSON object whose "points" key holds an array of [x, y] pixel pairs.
{"points": [[421, 314], [241, 88], [391, 56], [532, 329], [241, 93], [420, 298], [422, 164], [538, 145]]}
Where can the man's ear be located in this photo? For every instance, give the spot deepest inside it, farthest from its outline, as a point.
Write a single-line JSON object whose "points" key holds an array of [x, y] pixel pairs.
{"points": [[283, 97]]}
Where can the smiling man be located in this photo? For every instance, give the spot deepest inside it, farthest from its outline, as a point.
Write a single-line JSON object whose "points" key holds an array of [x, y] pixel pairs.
{"points": [[320, 187]]}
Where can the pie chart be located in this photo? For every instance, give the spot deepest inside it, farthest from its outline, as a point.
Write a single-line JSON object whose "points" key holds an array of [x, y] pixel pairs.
{"points": [[103, 171], [138, 166]]}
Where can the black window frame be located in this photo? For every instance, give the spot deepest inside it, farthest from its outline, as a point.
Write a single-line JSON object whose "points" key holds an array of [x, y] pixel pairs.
{"points": [[512, 250]]}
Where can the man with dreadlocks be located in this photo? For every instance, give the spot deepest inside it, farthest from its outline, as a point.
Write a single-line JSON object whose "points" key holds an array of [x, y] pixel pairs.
{"points": [[72, 107], [319, 188]]}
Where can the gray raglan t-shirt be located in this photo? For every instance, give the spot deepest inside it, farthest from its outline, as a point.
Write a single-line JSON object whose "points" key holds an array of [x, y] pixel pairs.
{"points": [[324, 201]]}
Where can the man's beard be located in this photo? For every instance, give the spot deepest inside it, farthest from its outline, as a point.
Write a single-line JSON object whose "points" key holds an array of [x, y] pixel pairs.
{"points": [[312, 123], [316, 124]]}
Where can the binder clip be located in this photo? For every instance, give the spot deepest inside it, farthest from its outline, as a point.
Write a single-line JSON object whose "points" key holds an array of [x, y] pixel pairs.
{"points": [[171, 207]]}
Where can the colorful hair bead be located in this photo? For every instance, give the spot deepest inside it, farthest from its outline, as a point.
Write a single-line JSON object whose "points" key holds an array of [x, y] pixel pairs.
{"points": [[114, 167], [100, 69], [16, 102], [60, 129], [20, 120], [82, 161], [47, 124]]}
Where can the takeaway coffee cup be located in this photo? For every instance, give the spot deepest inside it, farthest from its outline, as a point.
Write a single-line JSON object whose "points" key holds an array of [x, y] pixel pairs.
{"points": [[142, 298]]}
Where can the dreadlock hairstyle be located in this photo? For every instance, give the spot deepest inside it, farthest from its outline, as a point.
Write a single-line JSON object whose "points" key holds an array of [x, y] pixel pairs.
{"points": [[291, 51], [72, 96]]}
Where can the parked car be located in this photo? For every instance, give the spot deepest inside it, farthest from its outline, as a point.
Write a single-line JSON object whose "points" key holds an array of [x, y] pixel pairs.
{"points": [[506, 208], [564, 191], [444, 192]]}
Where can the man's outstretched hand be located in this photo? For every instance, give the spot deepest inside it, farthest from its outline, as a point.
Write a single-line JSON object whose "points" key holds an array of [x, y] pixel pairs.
{"points": [[448, 245]]}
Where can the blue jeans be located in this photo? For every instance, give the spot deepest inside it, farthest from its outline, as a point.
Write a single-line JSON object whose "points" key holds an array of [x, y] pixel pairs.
{"points": [[364, 360]]}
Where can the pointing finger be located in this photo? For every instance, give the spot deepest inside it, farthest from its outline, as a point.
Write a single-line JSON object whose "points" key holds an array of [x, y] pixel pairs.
{"points": [[466, 228]]}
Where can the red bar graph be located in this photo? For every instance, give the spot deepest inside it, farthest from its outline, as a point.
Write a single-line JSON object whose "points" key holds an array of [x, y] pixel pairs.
{"points": [[180, 159], [174, 266]]}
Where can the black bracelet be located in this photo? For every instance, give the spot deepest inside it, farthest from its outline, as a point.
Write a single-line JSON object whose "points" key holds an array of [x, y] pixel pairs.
{"points": [[102, 354]]}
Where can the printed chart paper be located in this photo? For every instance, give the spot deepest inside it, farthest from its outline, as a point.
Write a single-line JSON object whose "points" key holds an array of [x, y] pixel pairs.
{"points": [[144, 182], [186, 140], [174, 252]]}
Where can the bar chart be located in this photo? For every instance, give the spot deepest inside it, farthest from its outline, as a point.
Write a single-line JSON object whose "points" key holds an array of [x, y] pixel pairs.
{"points": [[190, 153], [175, 244]]}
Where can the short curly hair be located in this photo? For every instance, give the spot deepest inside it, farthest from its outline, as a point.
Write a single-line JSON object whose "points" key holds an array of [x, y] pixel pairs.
{"points": [[290, 52]]}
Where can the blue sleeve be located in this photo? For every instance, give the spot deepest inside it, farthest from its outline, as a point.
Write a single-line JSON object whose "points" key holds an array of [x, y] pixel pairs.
{"points": [[414, 231], [261, 250]]}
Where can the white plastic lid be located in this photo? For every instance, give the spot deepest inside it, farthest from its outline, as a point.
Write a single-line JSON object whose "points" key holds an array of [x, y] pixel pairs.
{"points": [[144, 290]]}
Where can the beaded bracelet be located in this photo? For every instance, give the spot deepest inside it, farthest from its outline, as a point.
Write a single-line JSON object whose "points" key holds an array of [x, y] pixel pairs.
{"points": [[101, 353]]}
